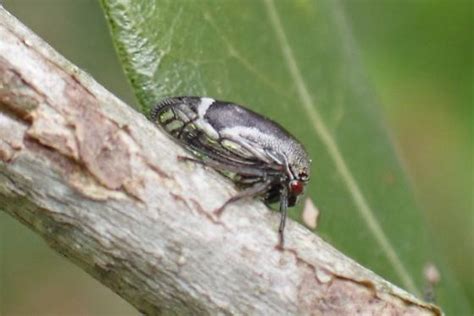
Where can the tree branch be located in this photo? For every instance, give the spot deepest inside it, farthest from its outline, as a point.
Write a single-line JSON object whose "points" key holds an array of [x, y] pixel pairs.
{"points": [[103, 187]]}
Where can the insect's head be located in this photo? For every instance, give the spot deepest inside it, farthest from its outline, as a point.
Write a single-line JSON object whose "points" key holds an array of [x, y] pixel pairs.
{"points": [[297, 184], [298, 172]]}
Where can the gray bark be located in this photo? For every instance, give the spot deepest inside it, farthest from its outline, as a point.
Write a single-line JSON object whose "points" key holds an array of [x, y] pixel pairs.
{"points": [[102, 186]]}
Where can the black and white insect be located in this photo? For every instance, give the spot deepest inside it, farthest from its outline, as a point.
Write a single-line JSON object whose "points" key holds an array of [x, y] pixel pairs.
{"points": [[259, 155]]}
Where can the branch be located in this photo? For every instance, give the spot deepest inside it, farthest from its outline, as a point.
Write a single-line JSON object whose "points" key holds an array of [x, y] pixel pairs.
{"points": [[103, 187]]}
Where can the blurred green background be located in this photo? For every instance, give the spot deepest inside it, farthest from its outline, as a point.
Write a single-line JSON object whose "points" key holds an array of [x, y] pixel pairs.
{"points": [[419, 57]]}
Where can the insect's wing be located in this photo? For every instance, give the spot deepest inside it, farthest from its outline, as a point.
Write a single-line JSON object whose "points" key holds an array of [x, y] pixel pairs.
{"points": [[225, 151], [185, 119]]}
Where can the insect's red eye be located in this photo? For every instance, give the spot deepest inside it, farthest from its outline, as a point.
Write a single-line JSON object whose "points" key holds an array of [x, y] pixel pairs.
{"points": [[296, 187]]}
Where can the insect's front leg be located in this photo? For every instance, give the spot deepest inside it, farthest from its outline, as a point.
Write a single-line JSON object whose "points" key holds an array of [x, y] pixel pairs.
{"points": [[284, 213]]}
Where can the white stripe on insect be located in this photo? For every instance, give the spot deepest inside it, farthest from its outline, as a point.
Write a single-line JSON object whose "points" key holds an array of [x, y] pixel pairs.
{"points": [[204, 105], [201, 122]]}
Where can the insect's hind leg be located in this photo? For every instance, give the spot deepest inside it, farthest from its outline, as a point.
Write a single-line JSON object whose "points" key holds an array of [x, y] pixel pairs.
{"points": [[251, 192], [257, 189]]}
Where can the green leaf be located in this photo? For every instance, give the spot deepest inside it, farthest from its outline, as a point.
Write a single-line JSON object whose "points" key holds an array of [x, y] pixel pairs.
{"points": [[294, 61]]}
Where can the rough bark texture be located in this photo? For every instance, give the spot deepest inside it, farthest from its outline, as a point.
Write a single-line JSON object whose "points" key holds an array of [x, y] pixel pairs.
{"points": [[102, 186]]}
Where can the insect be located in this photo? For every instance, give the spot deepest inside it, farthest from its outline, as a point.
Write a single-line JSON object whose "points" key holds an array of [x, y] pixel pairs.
{"points": [[259, 155]]}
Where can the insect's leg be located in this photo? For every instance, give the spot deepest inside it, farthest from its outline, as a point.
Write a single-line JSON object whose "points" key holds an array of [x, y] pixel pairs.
{"points": [[284, 213], [253, 191]]}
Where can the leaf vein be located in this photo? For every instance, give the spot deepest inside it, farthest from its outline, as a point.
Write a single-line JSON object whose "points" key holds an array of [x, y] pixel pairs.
{"points": [[234, 53], [334, 152]]}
